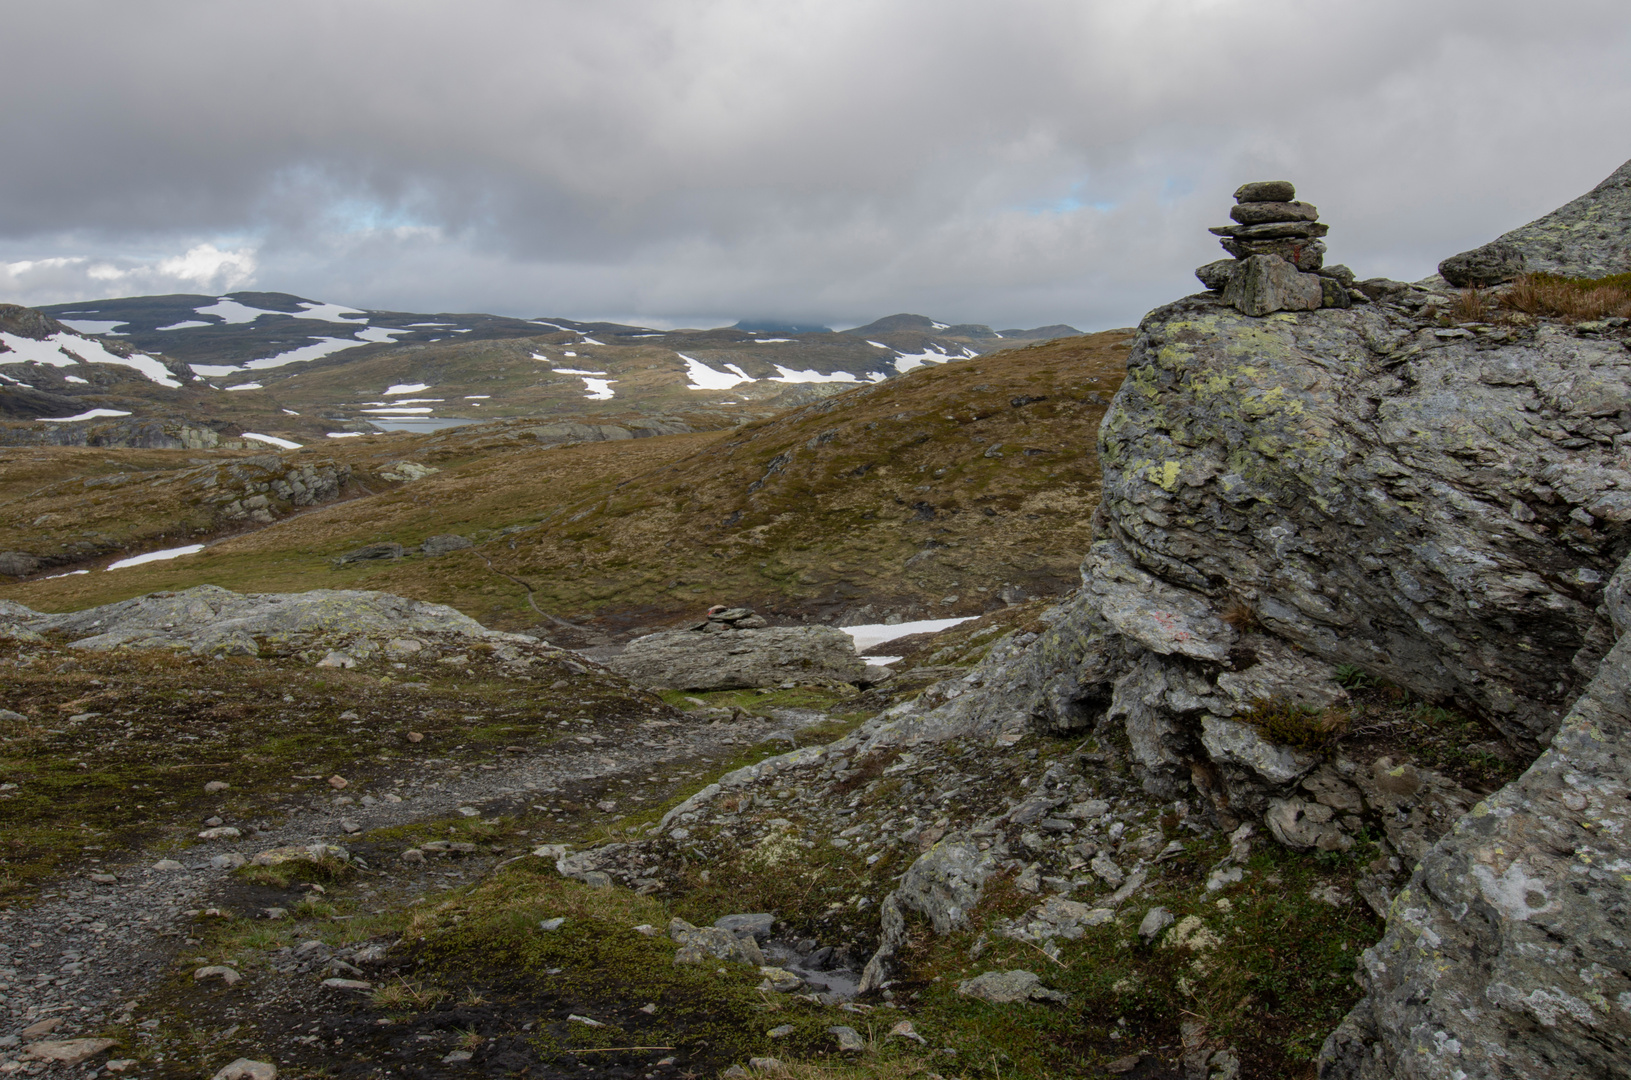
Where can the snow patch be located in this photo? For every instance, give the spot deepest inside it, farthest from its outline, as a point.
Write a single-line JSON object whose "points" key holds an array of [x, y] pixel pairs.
{"points": [[55, 351], [406, 388], [273, 439], [703, 377], [156, 556], [378, 333], [400, 412], [246, 386], [92, 326], [76, 378], [322, 348], [880, 345], [230, 311], [345, 434], [329, 312], [477, 397], [578, 371], [213, 371], [599, 389], [791, 376], [71, 573], [92, 415], [187, 325], [874, 634]]}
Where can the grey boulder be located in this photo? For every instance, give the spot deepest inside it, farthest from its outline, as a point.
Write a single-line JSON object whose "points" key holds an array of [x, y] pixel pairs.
{"points": [[1265, 284], [1215, 275], [444, 543], [18, 563], [1279, 191], [741, 659], [1262, 213], [1588, 237], [1010, 988], [1481, 267]]}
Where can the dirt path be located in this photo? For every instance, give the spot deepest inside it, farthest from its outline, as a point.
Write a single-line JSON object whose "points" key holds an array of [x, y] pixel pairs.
{"points": [[88, 951]]}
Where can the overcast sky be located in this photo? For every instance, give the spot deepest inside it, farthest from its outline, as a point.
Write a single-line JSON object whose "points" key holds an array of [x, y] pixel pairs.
{"points": [[692, 162]]}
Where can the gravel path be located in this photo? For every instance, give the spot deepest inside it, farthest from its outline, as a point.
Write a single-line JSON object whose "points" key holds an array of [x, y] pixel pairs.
{"points": [[87, 951]]}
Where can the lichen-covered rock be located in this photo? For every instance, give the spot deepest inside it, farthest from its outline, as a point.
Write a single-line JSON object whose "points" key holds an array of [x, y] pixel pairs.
{"points": [[1265, 284], [1482, 267], [1589, 237], [1506, 954], [741, 659], [1009, 988], [1441, 511], [207, 619]]}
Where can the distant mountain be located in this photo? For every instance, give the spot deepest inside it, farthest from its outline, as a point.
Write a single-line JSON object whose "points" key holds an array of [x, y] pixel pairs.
{"points": [[306, 368]]}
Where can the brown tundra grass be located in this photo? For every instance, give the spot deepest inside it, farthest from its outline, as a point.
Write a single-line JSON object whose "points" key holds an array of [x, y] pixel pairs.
{"points": [[1571, 299]]}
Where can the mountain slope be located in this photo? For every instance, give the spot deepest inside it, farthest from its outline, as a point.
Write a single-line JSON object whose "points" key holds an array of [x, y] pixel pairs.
{"points": [[930, 493]]}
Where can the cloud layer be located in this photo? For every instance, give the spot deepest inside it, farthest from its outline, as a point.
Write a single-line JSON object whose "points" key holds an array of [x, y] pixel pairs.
{"points": [[703, 160]]}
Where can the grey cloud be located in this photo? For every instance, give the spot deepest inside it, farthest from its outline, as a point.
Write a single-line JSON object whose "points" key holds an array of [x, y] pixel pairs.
{"points": [[1024, 162]]}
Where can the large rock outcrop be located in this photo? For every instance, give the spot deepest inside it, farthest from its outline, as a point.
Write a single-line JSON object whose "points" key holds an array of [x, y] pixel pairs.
{"points": [[741, 659], [1589, 237], [1509, 953], [209, 620]]}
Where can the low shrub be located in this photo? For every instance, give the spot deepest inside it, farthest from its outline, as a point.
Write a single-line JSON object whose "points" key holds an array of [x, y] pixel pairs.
{"points": [[1571, 299]]}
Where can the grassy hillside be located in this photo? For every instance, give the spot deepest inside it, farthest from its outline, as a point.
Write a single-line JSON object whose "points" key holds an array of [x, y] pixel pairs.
{"points": [[927, 494]]}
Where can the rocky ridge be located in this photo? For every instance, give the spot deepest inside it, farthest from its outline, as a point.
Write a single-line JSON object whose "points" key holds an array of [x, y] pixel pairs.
{"points": [[1289, 500]]}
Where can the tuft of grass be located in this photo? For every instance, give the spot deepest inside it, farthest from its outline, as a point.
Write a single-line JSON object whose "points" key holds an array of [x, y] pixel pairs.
{"points": [[1290, 723], [1570, 299], [322, 869], [1242, 616], [1471, 305]]}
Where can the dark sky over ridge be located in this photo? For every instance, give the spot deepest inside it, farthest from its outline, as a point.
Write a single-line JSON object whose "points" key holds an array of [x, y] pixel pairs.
{"points": [[699, 161]]}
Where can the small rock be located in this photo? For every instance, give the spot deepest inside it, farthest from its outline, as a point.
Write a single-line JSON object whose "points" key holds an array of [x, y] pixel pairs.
{"points": [[214, 821], [7, 714], [414, 736], [67, 1051], [41, 1027], [338, 782], [1156, 920], [1266, 191], [1009, 987], [119, 1065], [218, 971], [649, 1008], [216, 785], [350, 714], [780, 980], [457, 1057], [220, 832], [552, 924], [168, 865], [904, 1030], [412, 855], [764, 1064], [735, 1072], [347, 984], [780, 1032], [758, 924], [275, 913], [1124, 1064], [350, 826], [469, 811], [105, 879], [245, 1069], [647, 929], [1267, 283], [587, 1020], [849, 1040], [606, 805], [230, 860], [1223, 876], [1107, 870]]}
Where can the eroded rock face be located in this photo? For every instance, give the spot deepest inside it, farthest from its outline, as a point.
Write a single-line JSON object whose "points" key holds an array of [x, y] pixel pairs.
{"points": [[741, 659], [1440, 510], [1506, 954]]}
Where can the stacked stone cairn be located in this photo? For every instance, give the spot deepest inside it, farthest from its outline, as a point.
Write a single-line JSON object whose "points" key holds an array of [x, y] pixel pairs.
{"points": [[1279, 256]]}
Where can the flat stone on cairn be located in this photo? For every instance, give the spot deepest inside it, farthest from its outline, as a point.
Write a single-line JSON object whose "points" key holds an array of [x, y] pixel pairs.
{"points": [[1279, 258]]}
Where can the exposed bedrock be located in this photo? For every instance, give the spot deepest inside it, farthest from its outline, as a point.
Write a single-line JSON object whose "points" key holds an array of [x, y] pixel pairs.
{"points": [[1439, 508], [1509, 953]]}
